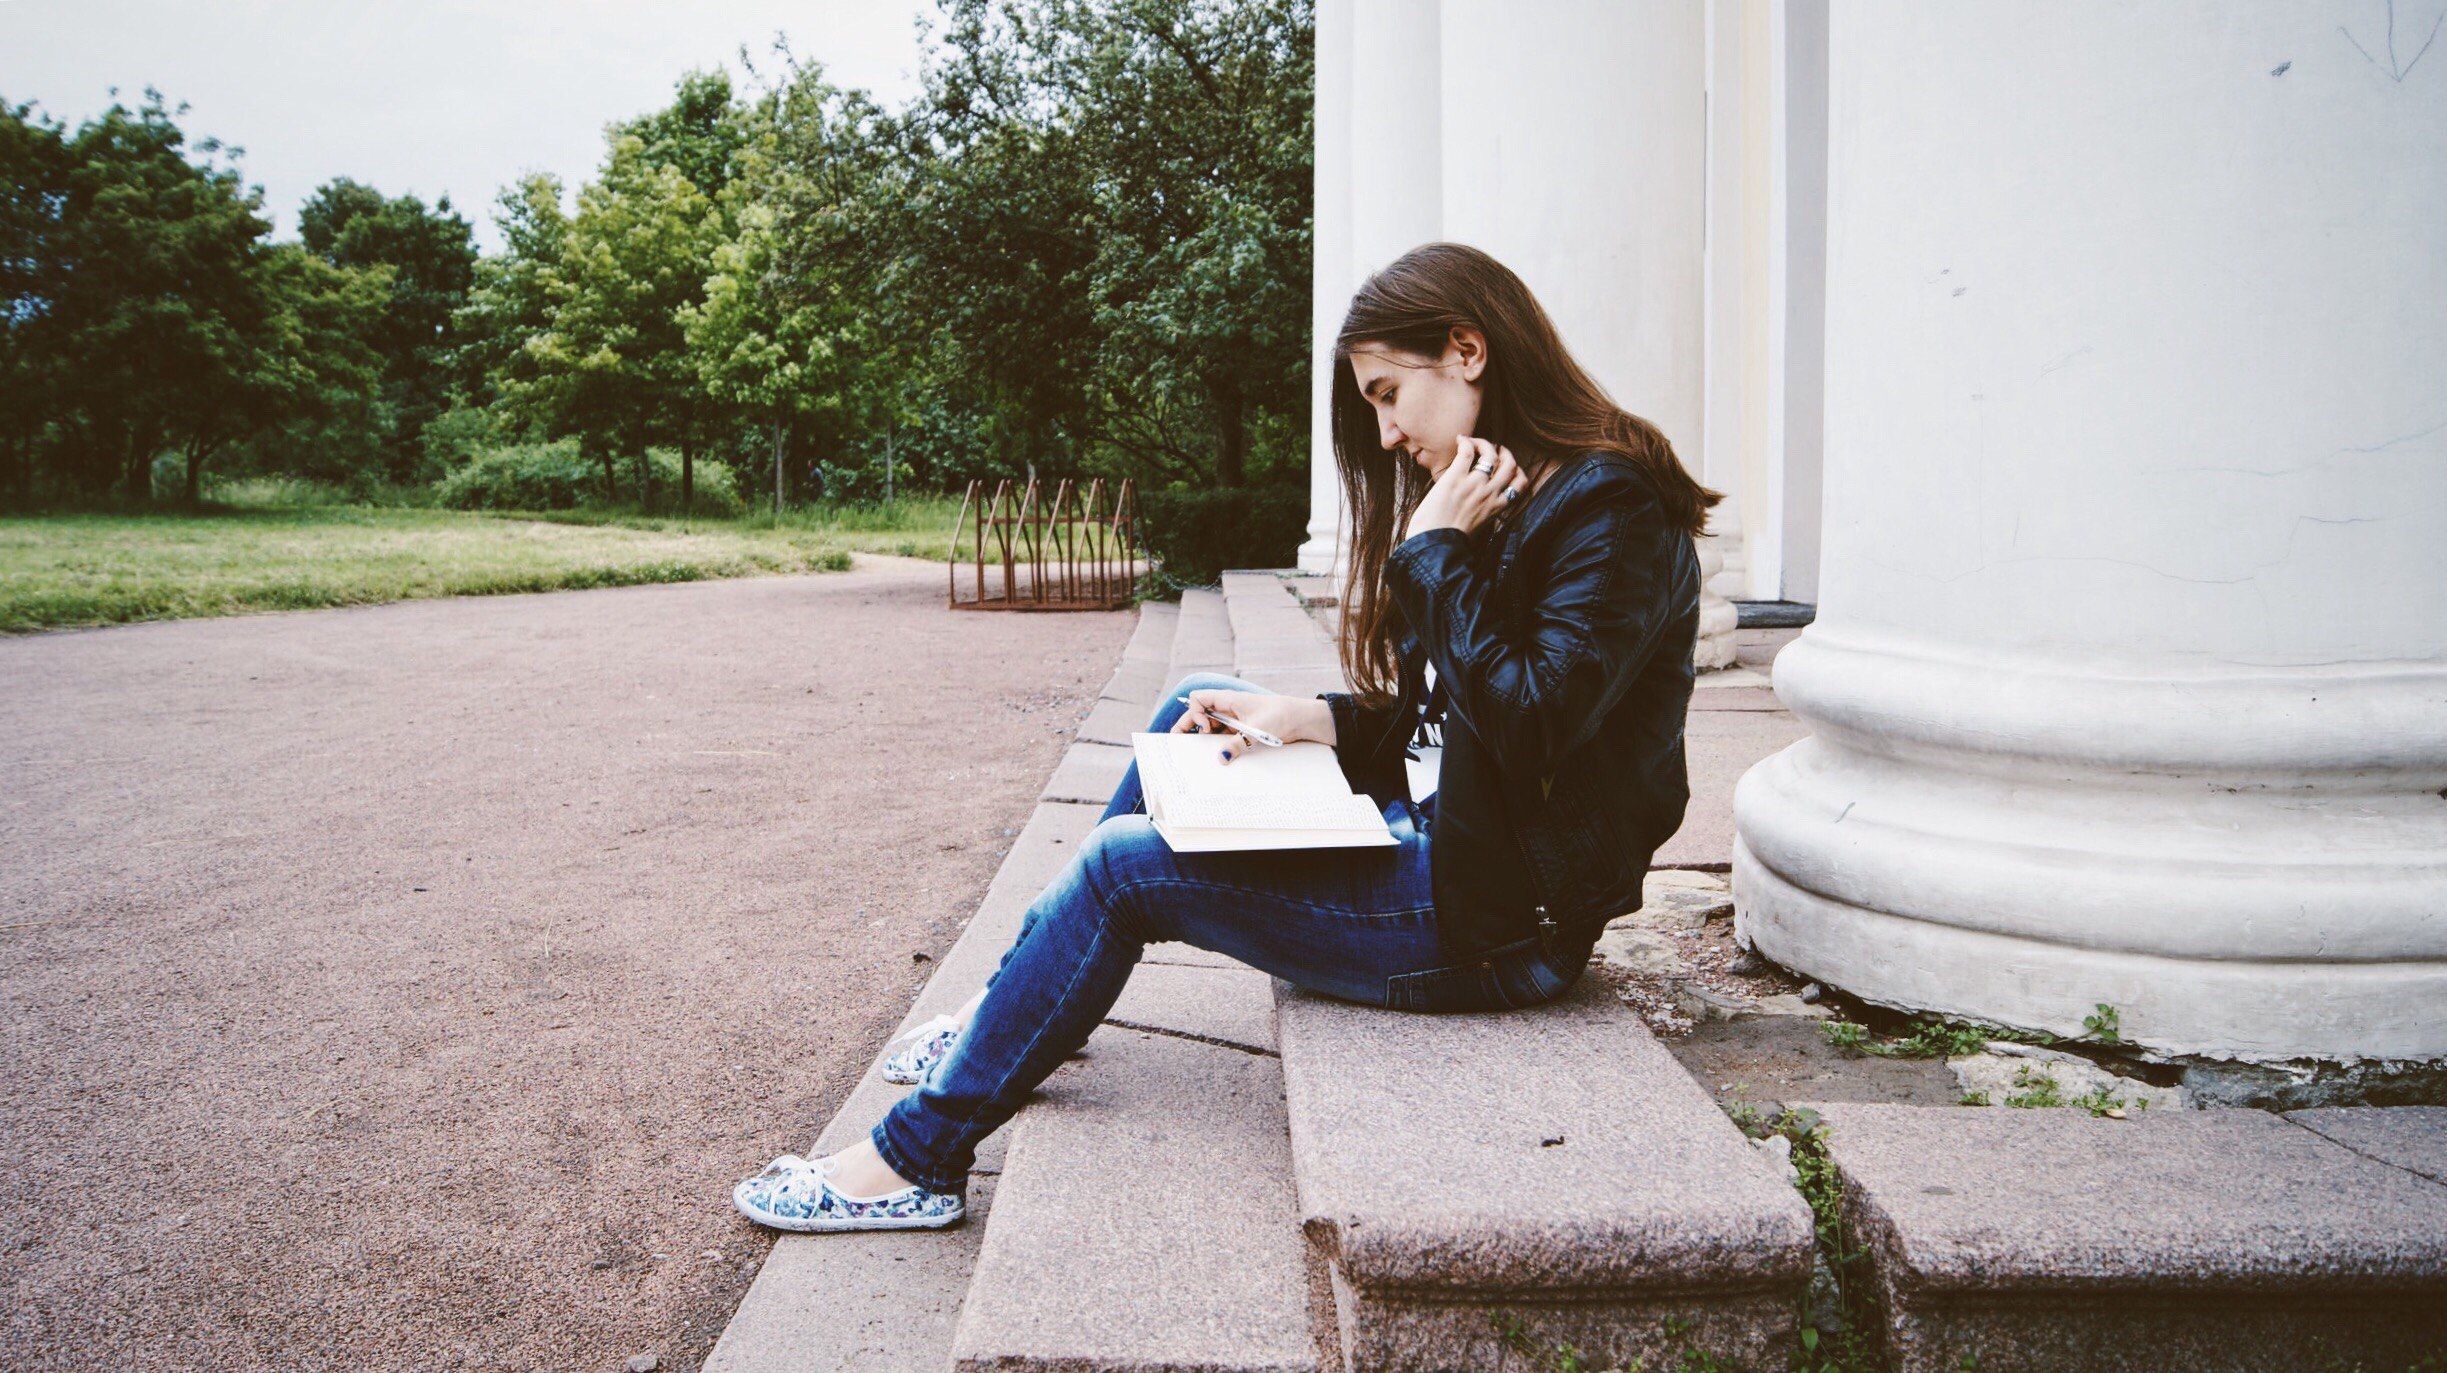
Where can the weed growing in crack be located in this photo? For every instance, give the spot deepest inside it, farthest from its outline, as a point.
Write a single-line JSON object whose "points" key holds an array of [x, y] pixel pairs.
{"points": [[1929, 1037], [2038, 1090]]}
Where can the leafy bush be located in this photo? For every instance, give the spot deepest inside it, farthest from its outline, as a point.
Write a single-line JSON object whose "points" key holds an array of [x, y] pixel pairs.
{"points": [[527, 476], [1194, 536], [552, 476], [459, 435], [303, 493]]}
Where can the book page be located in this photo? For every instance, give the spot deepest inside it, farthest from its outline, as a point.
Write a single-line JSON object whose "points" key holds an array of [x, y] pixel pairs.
{"points": [[1297, 786]]}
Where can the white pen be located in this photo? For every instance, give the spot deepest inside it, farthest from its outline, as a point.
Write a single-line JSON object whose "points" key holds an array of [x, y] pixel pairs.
{"points": [[1250, 732]]}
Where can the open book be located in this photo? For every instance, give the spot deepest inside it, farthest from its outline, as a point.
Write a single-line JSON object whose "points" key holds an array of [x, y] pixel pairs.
{"points": [[1293, 797]]}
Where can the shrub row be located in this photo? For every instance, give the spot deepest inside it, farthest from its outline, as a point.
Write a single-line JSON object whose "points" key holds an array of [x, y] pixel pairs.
{"points": [[553, 476], [1193, 537]]}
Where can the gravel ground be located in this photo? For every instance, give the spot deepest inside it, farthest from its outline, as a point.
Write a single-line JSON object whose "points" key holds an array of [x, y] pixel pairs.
{"points": [[405, 987]]}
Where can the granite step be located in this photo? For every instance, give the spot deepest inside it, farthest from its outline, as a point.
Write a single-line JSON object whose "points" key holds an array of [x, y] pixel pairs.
{"points": [[1552, 1167], [1145, 1217], [1147, 657], [1276, 643], [1203, 640], [891, 1301], [2228, 1239]]}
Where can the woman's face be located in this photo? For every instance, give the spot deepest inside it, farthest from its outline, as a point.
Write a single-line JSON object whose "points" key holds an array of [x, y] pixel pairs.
{"points": [[1423, 404]]}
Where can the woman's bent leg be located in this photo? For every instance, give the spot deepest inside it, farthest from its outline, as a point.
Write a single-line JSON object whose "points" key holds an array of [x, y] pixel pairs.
{"points": [[1128, 799], [1343, 921]]}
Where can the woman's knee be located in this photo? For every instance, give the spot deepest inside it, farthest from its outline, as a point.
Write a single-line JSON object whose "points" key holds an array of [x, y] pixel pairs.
{"points": [[1117, 855]]}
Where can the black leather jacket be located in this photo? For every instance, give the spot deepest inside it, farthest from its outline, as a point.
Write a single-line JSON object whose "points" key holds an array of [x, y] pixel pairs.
{"points": [[1562, 645]]}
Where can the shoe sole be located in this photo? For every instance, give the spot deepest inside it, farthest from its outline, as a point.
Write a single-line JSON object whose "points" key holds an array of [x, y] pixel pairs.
{"points": [[818, 1226]]}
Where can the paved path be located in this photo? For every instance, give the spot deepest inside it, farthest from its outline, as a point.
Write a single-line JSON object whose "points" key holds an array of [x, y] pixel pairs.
{"points": [[405, 986]]}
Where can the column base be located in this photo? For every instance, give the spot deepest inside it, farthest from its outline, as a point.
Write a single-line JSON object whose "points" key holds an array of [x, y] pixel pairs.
{"points": [[2256, 928], [1714, 647]]}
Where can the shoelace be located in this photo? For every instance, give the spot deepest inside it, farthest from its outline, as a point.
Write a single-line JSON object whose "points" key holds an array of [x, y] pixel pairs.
{"points": [[784, 1166], [805, 1183]]}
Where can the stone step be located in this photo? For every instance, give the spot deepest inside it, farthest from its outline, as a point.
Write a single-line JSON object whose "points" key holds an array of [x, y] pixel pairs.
{"points": [[1276, 642], [890, 1300], [1147, 657], [1553, 1167], [1203, 641], [1145, 1217], [2227, 1239]]}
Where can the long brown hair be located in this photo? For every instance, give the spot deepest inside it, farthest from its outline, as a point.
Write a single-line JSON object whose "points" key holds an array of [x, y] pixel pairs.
{"points": [[1534, 399]]}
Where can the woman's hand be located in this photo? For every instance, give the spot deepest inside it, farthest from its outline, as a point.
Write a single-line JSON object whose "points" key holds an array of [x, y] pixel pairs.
{"points": [[1464, 497], [1288, 718]]}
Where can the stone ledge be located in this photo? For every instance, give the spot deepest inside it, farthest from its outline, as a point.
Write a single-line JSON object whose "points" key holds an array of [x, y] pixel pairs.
{"points": [[1138, 684], [1144, 1221], [2413, 1138], [1230, 1006], [1190, 956], [1554, 1164], [1305, 681], [1151, 641], [1089, 772], [2053, 1239], [888, 1300], [1112, 722], [885, 1302], [1203, 642]]}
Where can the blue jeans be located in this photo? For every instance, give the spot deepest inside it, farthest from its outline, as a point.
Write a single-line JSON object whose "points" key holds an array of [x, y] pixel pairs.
{"points": [[1359, 924]]}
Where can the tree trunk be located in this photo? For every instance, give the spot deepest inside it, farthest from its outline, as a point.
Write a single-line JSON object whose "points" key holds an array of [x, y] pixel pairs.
{"points": [[688, 474], [611, 481], [645, 481], [887, 464], [195, 473], [139, 470], [777, 467], [1233, 423]]}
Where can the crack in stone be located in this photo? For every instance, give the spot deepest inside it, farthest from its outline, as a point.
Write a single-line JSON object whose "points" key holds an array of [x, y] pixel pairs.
{"points": [[2385, 1163], [1250, 1049]]}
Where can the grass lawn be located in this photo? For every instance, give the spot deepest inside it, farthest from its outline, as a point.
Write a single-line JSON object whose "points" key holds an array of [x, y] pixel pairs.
{"points": [[62, 571]]}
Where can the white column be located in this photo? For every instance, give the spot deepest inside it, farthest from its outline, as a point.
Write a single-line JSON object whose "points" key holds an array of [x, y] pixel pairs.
{"points": [[1725, 293], [1331, 277], [1575, 151], [1379, 191], [2129, 679]]}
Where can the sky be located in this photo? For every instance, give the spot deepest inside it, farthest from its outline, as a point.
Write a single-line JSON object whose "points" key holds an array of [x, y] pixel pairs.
{"points": [[429, 97]]}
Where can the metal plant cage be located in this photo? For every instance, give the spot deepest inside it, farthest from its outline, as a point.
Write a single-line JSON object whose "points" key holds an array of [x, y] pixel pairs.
{"points": [[1077, 551]]}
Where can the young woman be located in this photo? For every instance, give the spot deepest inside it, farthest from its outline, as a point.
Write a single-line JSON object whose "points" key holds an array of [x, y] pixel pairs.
{"points": [[1513, 531]]}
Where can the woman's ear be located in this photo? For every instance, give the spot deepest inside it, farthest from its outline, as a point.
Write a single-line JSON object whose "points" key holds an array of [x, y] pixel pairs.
{"points": [[1468, 347]]}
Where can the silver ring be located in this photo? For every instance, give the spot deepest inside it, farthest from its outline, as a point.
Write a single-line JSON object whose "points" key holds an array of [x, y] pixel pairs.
{"points": [[1481, 465], [1511, 494]]}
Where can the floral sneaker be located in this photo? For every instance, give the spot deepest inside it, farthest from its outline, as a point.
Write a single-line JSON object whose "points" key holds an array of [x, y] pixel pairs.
{"points": [[796, 1194], [928, 1045]]}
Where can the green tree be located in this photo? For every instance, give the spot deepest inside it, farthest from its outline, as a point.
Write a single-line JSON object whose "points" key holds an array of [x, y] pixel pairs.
{"points": [[816, 216], [311, 354], [1115, 222], [511, 298], [155, 298], [431, 255], [613, 367], [756, 343], [1199, 119], [34, 168]]}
